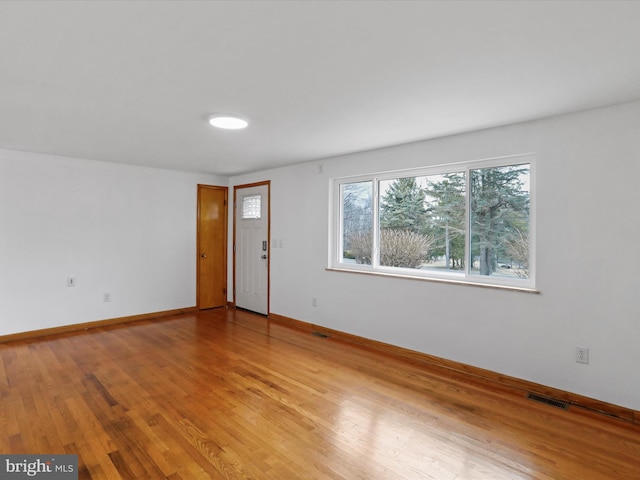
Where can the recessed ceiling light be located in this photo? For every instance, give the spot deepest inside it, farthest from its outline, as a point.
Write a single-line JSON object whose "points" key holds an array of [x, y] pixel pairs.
{"points": [[227, 122]]}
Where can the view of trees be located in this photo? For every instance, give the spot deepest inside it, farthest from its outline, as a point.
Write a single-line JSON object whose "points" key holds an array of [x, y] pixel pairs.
{"points": [[499, 218], [357, 221], [423, 220], [447, 214], [404, 219], [403, 206]]}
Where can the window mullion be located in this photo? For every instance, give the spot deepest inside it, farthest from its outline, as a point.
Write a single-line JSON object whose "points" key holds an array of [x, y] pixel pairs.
{"points": [[467, 222], [375, 254], [339, 212]]}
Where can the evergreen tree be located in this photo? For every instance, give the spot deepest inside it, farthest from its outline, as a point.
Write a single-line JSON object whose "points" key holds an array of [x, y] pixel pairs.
{"points": [[403, 225], [498, 206], [447, 213], [403, 206]]}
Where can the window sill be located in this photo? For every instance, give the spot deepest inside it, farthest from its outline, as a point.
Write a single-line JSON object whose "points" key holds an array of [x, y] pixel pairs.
{"points": [[437, 280]]}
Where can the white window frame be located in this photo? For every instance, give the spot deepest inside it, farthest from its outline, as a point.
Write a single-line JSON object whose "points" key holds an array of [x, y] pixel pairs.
{"points": [[460, 277]]}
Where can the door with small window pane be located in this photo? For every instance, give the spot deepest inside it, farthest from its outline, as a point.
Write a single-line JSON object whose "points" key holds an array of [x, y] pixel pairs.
{"points": [[251, 248]]}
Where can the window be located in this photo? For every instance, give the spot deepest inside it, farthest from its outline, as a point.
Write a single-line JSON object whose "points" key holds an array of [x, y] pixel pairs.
{"points": [[469, 222], [251, 206]]}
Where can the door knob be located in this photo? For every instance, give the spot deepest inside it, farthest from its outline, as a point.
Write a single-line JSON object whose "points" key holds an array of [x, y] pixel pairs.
{"points": [[204, 255], [264, 257]]}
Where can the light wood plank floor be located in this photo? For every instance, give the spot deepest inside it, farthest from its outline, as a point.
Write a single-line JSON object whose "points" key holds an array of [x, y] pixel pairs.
{"points": [[226, 394]]}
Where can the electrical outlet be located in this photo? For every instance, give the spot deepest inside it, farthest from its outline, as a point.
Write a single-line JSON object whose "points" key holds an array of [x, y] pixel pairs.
{"points": [[582, 355], [106, 297]]}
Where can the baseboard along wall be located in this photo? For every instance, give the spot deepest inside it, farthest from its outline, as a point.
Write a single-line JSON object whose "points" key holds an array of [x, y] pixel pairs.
{"points": [[475, 373], [95, 324]]}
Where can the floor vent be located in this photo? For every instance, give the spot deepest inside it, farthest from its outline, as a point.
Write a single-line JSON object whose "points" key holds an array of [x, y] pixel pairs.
{"points": [[320, 334], [548, 401]]}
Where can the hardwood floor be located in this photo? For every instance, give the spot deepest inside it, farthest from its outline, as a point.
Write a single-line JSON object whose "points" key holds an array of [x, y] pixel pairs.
{"points": [[225, 394]]}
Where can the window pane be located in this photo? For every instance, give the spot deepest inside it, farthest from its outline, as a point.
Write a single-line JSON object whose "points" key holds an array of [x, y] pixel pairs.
{"points": [[404, 239], [422, 222], [446, 199], [499, 223], [251, 206], [357, 222]]}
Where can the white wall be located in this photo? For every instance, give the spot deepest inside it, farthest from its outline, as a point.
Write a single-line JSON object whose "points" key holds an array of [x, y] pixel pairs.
{"points": [[128, 231], [588, 166]]}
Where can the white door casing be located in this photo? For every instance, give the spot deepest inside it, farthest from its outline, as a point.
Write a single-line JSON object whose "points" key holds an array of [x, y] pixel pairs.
{"points": [[252, 248]]}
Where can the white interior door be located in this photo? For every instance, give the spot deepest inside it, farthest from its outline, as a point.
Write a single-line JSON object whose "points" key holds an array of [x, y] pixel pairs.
{"points": [[252, 248]]}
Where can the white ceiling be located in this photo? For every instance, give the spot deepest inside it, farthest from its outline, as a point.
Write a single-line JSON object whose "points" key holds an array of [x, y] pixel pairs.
{"points": [[134, 82]]}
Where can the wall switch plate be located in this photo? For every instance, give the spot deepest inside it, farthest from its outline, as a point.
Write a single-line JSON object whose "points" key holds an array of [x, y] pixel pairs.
{"points": [[71, 282]]}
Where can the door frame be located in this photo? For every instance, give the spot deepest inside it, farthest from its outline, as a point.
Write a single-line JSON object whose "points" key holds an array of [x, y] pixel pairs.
{"points": [[235, 207], [225, 236]]}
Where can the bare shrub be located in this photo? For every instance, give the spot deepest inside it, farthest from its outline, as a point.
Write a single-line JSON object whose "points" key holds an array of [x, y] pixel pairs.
{"points": [[403, 248], [361, 246], [518, 250], [398, 248]]}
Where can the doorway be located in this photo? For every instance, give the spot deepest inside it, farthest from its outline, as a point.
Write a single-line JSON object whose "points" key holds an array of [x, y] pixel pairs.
{"points": [[211, 284], [251, 246]]}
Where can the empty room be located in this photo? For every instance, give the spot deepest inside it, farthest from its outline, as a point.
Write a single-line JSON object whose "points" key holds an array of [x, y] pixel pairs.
{"points": [[319, 240]]}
